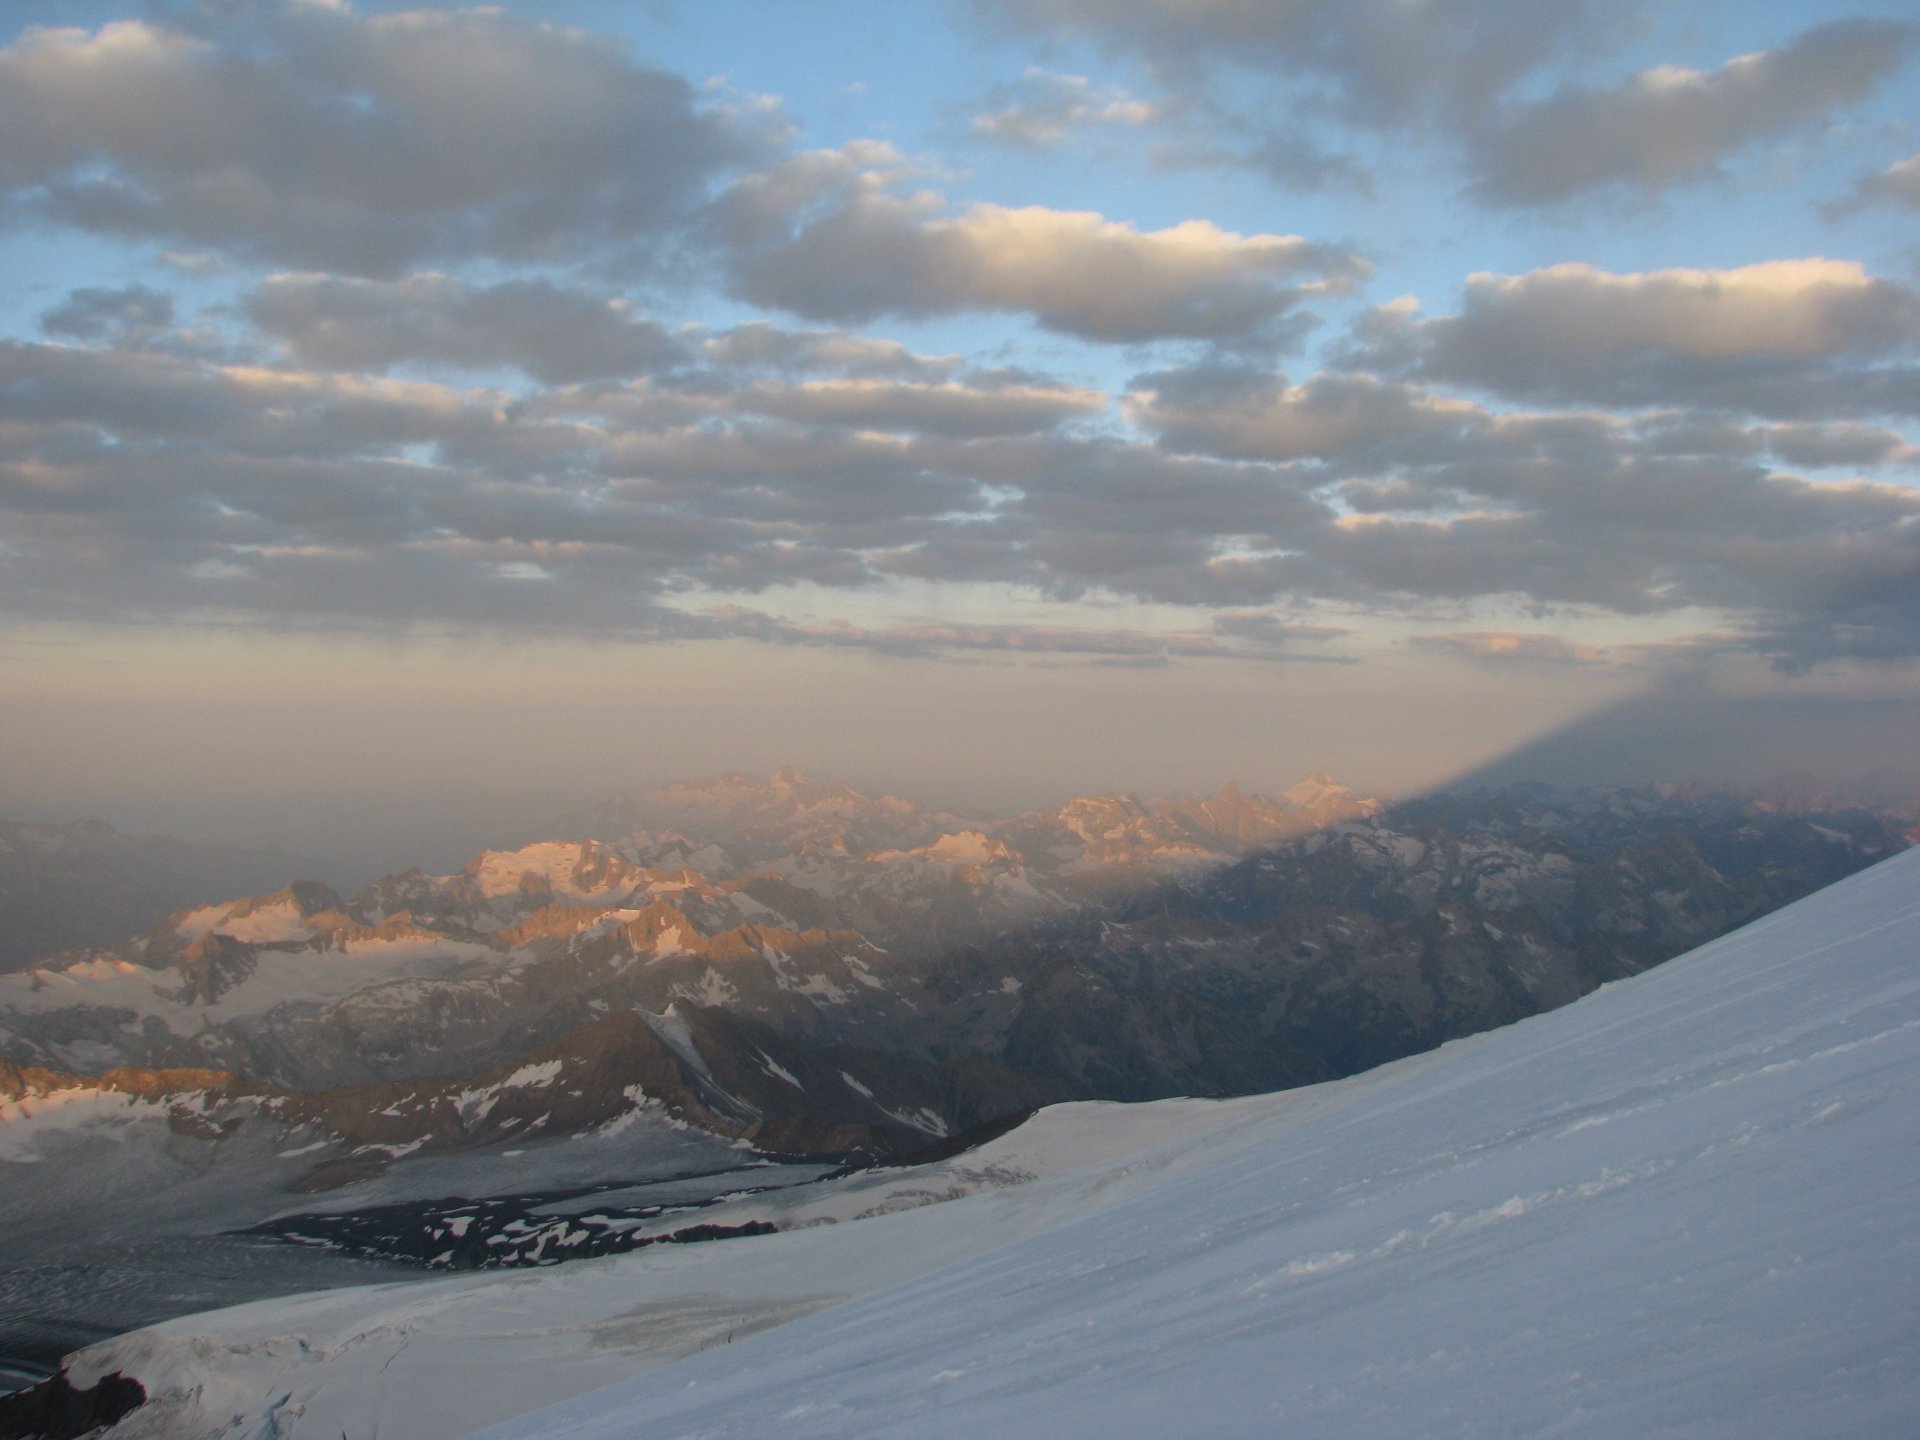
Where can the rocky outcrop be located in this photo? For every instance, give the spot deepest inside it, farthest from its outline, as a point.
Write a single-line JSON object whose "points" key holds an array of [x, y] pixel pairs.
{"points": [[55, 1410]]}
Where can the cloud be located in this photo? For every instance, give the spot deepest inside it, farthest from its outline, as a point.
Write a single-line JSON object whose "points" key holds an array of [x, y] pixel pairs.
{"points": [[1292, 159], [1383, 62], [1040, 109], [830, 245], [1897, 185], [1821, 446], [1792, 338], [1510, 647], [312, 137], [1796, 308], [1815, 569], [1271, 631], [938, 409], [93, 313], [1668, 124], [760, 345], [1249, 414], [549, 332], [141, 483], [1147, 648], [1469, 72], [1443, 503]]}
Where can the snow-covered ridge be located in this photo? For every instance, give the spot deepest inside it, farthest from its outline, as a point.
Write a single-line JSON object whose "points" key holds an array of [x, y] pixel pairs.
{"points": [[1678, 1206]]}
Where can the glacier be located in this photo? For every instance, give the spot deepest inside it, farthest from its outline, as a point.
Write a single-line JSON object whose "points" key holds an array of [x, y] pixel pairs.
{"points": [[1681, 1206]]}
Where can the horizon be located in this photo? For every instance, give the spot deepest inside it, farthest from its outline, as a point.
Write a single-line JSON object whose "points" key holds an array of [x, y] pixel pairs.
{"points": [[493, 822], [414, 420]]}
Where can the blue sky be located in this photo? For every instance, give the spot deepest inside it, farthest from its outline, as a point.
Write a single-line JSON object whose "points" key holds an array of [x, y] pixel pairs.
{"points": [[1500, 363]]}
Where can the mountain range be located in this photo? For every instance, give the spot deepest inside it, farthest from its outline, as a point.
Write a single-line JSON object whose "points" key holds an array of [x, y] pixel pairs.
{"points": [[738, 975], [1678, 1206]]}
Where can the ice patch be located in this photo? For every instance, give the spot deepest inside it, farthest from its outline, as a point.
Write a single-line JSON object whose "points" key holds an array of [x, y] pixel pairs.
{"points": [[776, 1070], [674, 1032]]}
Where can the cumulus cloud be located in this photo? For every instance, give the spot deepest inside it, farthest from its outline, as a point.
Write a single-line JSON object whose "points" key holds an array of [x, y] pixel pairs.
{"points": [[1795, 308], [1793, 338], [1671, 124], [317, 138], [1043, 107], [547, 331], [828, 244]]}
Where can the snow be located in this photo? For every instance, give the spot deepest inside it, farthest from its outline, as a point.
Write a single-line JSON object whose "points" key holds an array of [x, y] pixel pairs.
{"points": [[529, 1077], [1407, 852], [501, 873], [27, 1124], [921, 1119], [474, 1105], [1679, 1207], [278, 977], [968, 847], [775, 1070], [712, 988], [278, 922]]}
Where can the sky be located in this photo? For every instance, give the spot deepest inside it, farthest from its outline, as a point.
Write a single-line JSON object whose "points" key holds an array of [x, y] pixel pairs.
{"points": [[407, 414]]}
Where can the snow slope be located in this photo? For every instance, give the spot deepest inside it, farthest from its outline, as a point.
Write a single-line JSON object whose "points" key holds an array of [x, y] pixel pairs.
{"points": [[1679, 1207]]}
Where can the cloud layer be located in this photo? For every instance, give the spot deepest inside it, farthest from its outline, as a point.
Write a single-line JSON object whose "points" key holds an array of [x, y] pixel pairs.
{"points": [[322, 140], [649, 392], [1495, 78], [147, 480]]}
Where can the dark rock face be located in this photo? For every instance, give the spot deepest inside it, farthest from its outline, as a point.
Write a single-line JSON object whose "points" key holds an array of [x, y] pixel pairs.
{"points": [[1372, 940], [54, 1410], [501, 1232]]}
